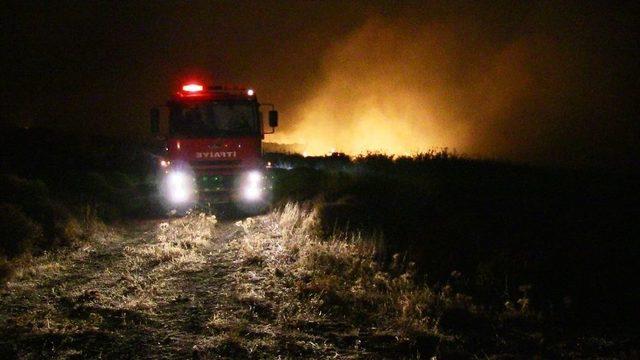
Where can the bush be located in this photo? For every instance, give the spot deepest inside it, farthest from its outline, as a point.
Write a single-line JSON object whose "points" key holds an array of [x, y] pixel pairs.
{"points": [[94, 186], [20, 191], [6, 269], [31, 197], [18, 233], [120, 180]]}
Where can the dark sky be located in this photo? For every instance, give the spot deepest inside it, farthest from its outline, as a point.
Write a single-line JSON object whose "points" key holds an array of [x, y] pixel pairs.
{"points": [[539, 81], [113, 61]]}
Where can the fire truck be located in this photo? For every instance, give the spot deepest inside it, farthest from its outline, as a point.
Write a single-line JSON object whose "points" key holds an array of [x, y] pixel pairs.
{"points": [[213, 147]]}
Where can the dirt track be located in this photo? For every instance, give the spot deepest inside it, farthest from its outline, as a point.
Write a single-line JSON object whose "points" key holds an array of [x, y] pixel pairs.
{"points": [[150, 289], [258, 288]]}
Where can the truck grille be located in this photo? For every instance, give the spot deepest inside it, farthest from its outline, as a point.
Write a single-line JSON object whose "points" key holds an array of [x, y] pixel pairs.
{"points": [[208, 183]]}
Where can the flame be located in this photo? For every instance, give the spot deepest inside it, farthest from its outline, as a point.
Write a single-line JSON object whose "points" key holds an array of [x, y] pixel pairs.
{"points": [[396, 125], [395, 88], [368, 101], [518, 85], [369, 130]]}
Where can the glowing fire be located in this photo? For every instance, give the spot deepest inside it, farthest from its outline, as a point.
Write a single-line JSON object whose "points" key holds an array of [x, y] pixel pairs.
{"points": [[370, 100], [401, 124], [397, 89]]}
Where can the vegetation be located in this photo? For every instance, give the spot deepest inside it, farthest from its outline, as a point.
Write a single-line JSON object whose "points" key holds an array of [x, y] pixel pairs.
{"points": [[568, 236], [31, 221], [376, 257], [55, 188], [265, 287]]}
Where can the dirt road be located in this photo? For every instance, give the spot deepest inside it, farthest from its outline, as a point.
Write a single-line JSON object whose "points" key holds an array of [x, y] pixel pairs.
{"points": [[265, 287], [163, 289]]}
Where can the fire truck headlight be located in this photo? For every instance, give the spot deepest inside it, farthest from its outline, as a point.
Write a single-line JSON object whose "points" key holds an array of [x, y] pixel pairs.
{"points": [[179, 187], [253, 186], [254, 177], [252, 193]]}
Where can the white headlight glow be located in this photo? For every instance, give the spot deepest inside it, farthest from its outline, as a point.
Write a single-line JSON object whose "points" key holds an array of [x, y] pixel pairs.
{"points": [[179, 187], [254, 177], [252, 187], [252, 193]]}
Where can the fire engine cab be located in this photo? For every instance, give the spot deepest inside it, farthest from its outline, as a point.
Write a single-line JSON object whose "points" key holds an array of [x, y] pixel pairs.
{"points": [[213, 147]]}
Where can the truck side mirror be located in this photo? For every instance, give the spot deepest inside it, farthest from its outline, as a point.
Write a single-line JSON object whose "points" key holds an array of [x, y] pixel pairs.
{"points": [[273, 118], [155, 120]]}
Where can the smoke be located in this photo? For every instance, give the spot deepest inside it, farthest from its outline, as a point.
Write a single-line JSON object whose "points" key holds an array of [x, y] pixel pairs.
{"points": [[543, 81], [404, 84]]}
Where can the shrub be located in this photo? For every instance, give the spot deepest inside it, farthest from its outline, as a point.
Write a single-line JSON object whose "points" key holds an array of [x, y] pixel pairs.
{"points": [[93, 186], [19, 191], [56, 225], [18, 233], [6, 269], [120, 181]]}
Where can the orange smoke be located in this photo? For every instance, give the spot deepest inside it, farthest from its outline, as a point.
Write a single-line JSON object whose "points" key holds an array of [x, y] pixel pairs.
{"points": [[401, 88]]}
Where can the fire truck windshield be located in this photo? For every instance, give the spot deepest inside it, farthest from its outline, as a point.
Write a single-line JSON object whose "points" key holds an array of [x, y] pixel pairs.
{"points": [[214, 118]]}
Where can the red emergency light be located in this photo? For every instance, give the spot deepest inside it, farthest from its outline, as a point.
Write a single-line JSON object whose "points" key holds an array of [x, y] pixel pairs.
{"points": [[197, 91], [192, 88]]}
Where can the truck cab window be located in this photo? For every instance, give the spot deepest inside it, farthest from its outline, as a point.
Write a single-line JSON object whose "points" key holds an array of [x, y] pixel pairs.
{"points": [[214, 118]]}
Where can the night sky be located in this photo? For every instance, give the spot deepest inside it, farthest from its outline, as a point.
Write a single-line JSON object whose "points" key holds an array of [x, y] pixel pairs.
{"points": [[543, 82]]}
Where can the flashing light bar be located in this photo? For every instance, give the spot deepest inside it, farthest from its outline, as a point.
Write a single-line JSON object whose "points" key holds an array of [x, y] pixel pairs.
{"points": [[192, 88], [196, 89]]}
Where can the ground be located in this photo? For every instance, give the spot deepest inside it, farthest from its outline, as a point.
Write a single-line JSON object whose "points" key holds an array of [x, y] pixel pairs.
{"points": [[165, 289], [269, 286]]}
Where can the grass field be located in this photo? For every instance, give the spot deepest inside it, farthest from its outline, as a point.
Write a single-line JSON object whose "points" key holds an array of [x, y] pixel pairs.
{"points": [[429, 254], [567, 236]]}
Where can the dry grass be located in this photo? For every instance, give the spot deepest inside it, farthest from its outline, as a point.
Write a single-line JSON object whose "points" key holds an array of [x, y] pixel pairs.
{"points": [[338, 280], [177, 244], [265, 287]]}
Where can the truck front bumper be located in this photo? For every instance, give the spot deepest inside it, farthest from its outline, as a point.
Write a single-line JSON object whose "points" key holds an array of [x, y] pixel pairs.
{"points": [[248, 187]]}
